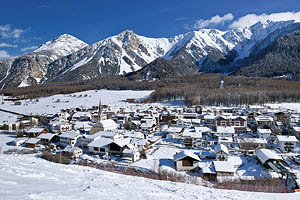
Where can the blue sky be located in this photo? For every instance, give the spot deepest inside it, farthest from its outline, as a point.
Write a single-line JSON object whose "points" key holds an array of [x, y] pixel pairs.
{"points": [[26, 24]]}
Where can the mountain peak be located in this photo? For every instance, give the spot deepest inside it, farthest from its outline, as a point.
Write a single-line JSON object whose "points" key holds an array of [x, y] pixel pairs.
{"points": [[63, 45]]}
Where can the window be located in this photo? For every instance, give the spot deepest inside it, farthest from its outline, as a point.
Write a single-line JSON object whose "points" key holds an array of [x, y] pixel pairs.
{"points": [[96, 149]]}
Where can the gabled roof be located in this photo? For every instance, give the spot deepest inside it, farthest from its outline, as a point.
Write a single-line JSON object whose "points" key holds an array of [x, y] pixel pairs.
{"points": [[32, 141], [221, 147], [101, 142], [108, 123], [69, 134], [47, 136], [224, 166], [184, 154], [228, 129], [35, 130], [264, 131], [123, 142]]}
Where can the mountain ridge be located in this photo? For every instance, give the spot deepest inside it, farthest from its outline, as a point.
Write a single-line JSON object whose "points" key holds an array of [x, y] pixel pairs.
{"points": [[204, 50]]}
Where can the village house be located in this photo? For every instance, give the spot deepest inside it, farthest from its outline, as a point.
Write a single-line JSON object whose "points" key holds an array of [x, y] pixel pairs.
{"points": [[104, 125], [114, 135], [225, 131], [296, 131], [174, 132], [130, 155], [47, 138], [34, 132], [191, 138], [187, 115], [10, 126], [87, 139], [226, 141], [99, 146], [224, 168], [141, 144], [165, 117], [221, 152], [264, 133], [18, 141], [186, 161], [209, 120], [58, 126], [264, 122], [71, 152], [238, 122], [249, 144], [32, 143], [186, 123], [117, 147], [68, 138], [81, 116], [286, 143]]}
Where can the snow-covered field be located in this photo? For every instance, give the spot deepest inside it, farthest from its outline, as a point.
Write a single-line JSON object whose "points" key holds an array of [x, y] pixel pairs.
{"points": [[27, 177], [49, 105]]}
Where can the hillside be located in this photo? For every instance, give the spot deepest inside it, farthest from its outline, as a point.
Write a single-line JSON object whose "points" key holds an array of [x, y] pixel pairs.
{"points": [[27, 177]]}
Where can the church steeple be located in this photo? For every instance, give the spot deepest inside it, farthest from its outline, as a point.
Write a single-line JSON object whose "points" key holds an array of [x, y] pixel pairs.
{"points": [[100, 110]]}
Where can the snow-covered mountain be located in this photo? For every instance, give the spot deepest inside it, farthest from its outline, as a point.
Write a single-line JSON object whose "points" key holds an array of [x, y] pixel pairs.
{"points": [[61, 46], [208, 50], [30, 68]]}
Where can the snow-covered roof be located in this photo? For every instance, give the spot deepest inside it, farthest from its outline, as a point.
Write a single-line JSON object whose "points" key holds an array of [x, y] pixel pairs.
{"points": [[32, 141], [123, 142], [296, 128], [224, 166], [221, 147], [192, 134], [35, 130], [254, 140], [264, 131], [264, 118], [227, 129], [81, 114], [286, 138], [202, 129], [225, 140], [101, 142], [47, 136], [69, 134], [71, 149], [129, 151], [209, 117], [184, 154], [108, 123], [174, 130], [265, 154], [208, 170]]}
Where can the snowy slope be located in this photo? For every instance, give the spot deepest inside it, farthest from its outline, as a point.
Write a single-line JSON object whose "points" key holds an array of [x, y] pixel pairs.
{"points": [[27, 177]]}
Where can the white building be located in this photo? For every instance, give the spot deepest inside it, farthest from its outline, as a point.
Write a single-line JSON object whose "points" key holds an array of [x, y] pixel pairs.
{"points": [[68, 138], [221, 152], [286, 143], [104, 125], [225, 131], [186, 160], [99, 146], [264, 133]]}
